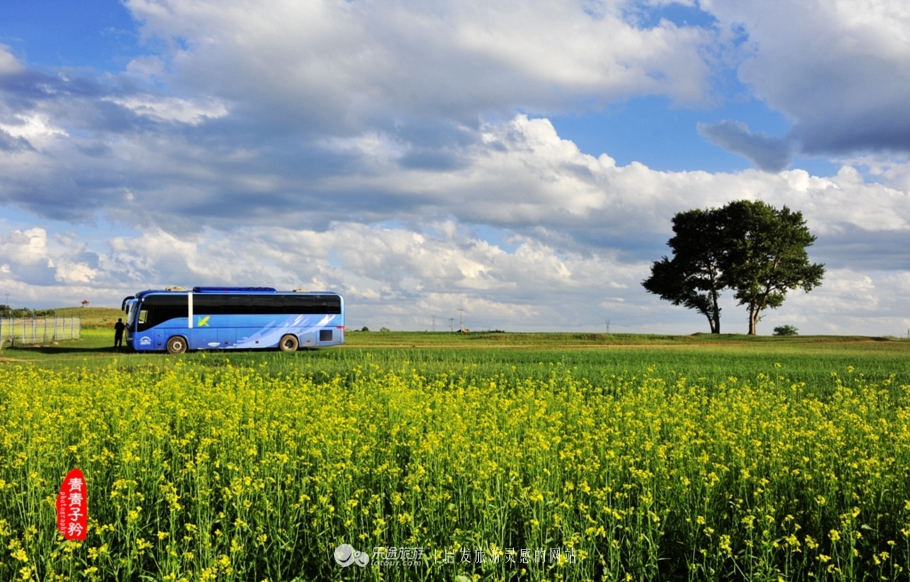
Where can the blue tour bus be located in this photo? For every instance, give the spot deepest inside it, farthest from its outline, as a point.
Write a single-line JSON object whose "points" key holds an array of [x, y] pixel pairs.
{"points": [[209, 318]]}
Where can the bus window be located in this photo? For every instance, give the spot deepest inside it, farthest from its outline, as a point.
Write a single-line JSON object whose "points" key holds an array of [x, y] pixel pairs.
{"points": [[162, 308]]}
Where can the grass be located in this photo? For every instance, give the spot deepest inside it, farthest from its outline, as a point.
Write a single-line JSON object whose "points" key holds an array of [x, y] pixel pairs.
{"points": [[706, 356], [92, 316], [636, 457], [556, 340]]}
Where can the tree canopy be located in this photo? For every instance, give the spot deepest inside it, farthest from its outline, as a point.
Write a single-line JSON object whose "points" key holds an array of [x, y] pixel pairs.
{"points": [[750, 247]]}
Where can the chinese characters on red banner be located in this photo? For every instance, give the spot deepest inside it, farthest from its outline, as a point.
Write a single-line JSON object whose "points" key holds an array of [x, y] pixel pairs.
{"points": [[72, 506]]}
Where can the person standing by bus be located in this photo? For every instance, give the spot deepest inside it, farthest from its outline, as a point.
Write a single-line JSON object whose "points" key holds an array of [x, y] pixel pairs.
{"points": [[118, 332]]}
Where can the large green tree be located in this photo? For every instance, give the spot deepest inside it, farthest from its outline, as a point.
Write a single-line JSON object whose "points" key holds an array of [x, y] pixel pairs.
{"points": [[766, 256], [693, 276], [750, 247]]}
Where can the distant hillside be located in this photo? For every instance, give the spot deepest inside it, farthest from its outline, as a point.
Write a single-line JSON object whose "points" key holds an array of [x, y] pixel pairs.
{"points": [[92, 316]]}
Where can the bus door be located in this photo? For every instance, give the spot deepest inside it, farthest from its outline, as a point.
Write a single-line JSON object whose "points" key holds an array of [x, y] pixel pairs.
{"points": [[141, 340]]}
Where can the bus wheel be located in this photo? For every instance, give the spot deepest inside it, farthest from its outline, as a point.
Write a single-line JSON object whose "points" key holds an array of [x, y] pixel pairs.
{"points": [[176, 345], [288, 343]]}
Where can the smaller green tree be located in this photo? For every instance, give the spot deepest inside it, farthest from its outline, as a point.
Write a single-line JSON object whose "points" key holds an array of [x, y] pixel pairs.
{"points": [[785, 330]]}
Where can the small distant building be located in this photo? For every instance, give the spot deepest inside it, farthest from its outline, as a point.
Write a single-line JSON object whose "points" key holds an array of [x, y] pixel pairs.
{"points": [[85, 303]]}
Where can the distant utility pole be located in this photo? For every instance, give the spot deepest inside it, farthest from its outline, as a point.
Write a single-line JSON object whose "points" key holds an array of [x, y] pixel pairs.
{"points": [[461, 320], [434, 322], [452, 324], [608, 326]]}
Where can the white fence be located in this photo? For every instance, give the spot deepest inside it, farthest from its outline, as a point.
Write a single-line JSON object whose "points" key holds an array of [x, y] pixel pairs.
{"points": [[33, 330]]}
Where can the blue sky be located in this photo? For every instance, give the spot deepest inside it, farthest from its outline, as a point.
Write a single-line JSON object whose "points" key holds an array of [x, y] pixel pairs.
{"points": [[100, 34], [519, 161]]}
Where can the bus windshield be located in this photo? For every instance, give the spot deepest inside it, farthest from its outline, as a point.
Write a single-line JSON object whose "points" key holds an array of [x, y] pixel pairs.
{"points": [[130, 314]]}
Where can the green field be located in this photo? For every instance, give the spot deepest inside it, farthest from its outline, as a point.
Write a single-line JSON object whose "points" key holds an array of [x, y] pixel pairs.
{"points": [[499, 456]]}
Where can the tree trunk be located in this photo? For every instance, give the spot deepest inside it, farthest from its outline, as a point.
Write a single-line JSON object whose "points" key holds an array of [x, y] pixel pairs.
{"points": [[715, 321], [755, 308]]}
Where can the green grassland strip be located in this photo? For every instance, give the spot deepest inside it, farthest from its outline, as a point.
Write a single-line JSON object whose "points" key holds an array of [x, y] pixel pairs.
{"points": [[806, 358]]}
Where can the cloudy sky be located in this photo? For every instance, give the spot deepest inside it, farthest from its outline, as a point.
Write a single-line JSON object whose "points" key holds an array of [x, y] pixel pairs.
{"points": [[517, 160]]}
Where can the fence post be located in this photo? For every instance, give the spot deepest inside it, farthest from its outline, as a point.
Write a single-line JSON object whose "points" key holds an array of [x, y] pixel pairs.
{"points": [[80, 327]]}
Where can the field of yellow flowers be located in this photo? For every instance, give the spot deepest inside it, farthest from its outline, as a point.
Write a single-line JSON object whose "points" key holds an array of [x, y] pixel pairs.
{"points": [[212, 469]]}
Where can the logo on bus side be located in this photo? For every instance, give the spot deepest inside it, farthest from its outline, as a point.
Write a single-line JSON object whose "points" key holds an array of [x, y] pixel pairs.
{"points": [[145, 341], [203, 321]]}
